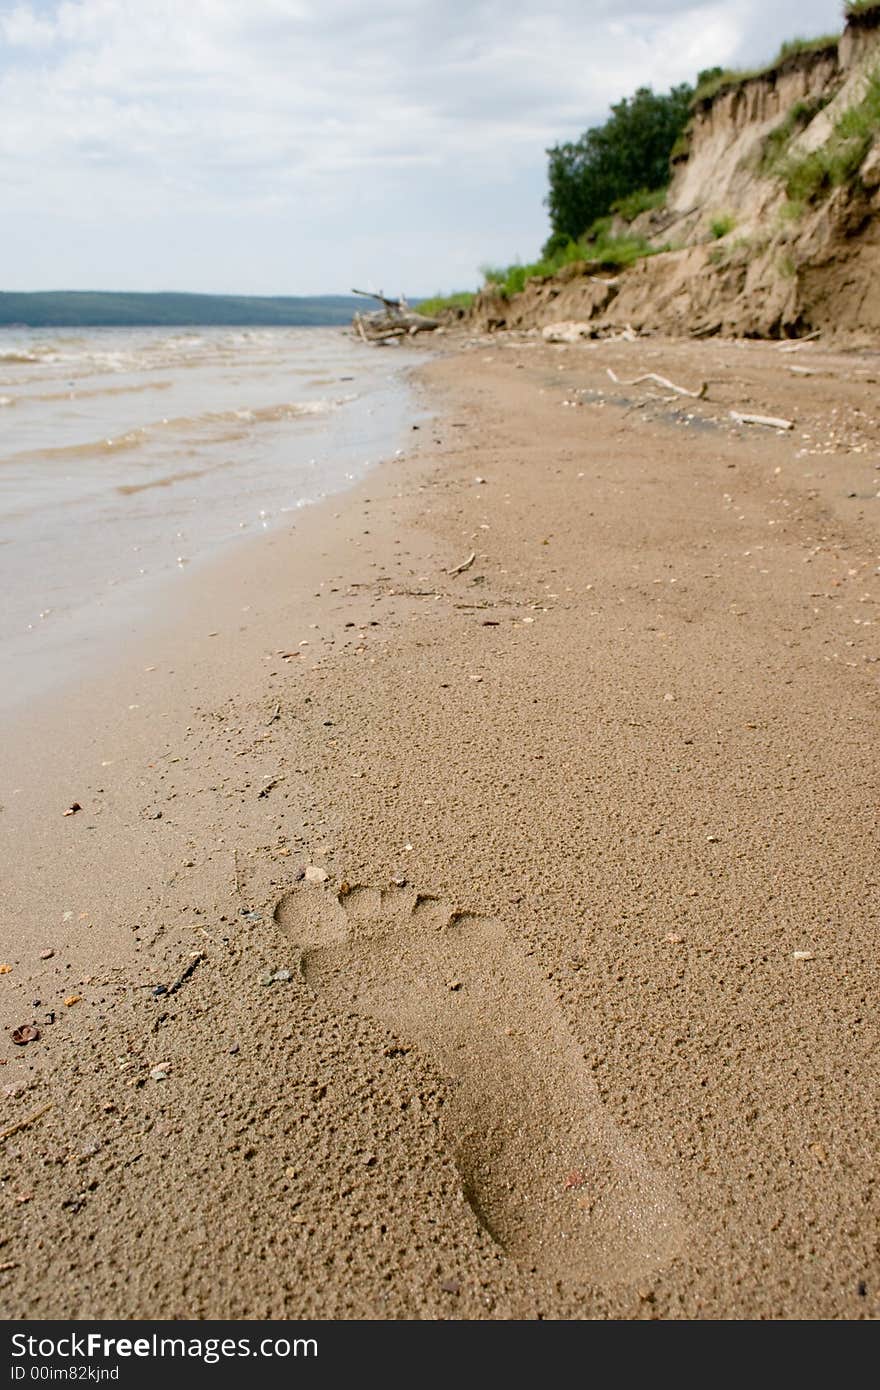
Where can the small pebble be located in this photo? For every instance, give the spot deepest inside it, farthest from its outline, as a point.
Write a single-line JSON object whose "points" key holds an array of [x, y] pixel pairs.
{"points": [[802, 955], [315, 874]]}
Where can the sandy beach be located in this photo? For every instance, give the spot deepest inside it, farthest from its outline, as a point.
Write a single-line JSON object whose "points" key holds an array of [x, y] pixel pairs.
{"points": [[471, 908]]}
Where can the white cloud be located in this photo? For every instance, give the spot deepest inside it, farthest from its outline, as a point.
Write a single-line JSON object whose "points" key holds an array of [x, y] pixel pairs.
{"points": [[313, 129]]}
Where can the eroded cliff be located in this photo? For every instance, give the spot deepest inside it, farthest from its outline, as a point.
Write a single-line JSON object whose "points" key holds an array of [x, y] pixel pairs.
{"points": [[772, 220]]}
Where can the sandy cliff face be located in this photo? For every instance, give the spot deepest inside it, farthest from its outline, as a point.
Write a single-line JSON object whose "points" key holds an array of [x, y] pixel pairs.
{"points": [[785, 266]]}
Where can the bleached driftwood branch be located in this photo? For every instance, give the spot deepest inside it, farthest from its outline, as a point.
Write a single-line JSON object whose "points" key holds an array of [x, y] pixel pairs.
{"points": [[797, 343], [661, 381], [394, 320], [769, 420]]}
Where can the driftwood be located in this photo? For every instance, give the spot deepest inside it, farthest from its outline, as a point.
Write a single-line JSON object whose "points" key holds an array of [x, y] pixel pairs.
{"points": [[797, 343], [465, 564], [394, 320], [661, 381], [389, 303], [769, 420]]}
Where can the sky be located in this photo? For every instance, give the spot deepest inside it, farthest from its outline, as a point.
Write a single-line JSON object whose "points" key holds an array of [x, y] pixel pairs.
{"points": [[306, 146]]}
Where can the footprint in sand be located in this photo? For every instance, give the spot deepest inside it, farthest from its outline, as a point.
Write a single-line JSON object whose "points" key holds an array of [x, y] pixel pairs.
{"points": [[555, 1182]]}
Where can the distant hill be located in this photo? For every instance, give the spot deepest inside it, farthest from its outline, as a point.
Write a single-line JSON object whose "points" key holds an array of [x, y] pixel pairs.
{"points": [[87, 309]]}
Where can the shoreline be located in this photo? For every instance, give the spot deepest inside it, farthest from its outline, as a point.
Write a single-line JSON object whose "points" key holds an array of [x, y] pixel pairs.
{"points": [[240, 448], [628, 741]]}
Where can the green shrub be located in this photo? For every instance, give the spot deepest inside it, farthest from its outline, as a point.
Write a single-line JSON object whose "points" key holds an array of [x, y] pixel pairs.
{"points": [[720, 226], [796, 119], [598, 246], [642, 200], [442, 302], [813, 175]]}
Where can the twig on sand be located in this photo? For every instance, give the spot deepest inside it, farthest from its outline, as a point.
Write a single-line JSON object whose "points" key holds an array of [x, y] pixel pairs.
{"points": [[769, 420], [465, 564], [8, 1132], [799, 342], [188, 970], [661, 381]]}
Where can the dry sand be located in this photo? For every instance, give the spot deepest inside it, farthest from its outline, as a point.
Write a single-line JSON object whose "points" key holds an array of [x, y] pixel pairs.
{"points": [[582, 1022]]}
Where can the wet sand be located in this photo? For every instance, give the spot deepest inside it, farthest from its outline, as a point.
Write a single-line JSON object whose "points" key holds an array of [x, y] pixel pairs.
{"points": [[581, 1021]]}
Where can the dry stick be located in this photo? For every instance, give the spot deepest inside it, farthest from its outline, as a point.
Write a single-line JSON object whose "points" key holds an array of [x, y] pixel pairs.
{"points": [[185, 974], [465, 564], [807, 338], [8, 1132], [661, 381], [771, 421], [389, 303]]}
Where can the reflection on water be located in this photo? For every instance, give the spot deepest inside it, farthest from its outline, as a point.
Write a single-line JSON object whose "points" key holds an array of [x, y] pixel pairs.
{"points": [[127, 453]]}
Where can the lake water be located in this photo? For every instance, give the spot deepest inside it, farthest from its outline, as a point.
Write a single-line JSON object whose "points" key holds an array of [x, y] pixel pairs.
{"points": [[128, 455]]}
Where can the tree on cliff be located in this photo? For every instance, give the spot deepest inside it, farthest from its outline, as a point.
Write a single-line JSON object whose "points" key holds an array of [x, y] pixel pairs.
{"points": [[629, 152]]}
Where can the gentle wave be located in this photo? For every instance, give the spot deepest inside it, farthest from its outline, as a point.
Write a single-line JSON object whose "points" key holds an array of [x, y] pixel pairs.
{"points": [[89, 392], [83, 357], [169, 479], [241, 420]]}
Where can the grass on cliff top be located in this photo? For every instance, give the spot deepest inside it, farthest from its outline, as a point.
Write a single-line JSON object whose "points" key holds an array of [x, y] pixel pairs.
{"points": [[724, 79], [837, 162], [859, 7], [598, 245]]}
